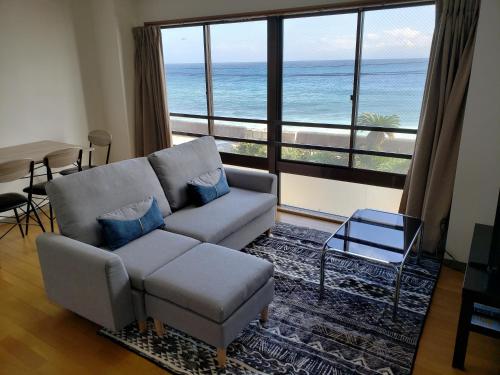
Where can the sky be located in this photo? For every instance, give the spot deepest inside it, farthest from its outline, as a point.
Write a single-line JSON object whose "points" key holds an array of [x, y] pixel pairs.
{"points": [[389, 33]]}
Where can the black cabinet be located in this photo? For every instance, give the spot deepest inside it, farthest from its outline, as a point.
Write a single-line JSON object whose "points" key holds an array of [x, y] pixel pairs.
{"points": [[480, 295]]}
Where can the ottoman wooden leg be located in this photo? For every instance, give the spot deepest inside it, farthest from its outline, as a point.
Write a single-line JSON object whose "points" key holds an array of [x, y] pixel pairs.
{"points": [[141, 325], [159, 327], [264, 314], [221, 357], [268, 232]]}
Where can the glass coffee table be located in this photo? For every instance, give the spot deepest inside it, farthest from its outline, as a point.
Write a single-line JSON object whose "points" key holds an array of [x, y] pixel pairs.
{"points": [[376, 236]]}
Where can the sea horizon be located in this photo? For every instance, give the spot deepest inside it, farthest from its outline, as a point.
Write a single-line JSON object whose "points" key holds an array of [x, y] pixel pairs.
{"points": [[299, 61], [313, 90]]}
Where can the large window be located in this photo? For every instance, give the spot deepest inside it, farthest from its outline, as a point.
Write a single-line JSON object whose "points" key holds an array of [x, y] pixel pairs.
{"points": [[334, 95]]}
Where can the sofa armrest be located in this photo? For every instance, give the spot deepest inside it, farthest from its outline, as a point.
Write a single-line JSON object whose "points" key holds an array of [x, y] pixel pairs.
{"points": [[86, 280], [251, 180]]}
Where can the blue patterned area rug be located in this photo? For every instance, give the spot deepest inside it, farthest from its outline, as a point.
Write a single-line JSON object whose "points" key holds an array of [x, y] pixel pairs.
{"points": [[349, 331]]}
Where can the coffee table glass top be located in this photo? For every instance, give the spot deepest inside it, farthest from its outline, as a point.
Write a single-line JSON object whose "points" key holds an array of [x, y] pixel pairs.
{"points": [[376, 235]]}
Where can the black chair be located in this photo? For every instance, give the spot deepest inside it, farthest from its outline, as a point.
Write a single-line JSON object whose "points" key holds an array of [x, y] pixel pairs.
{"points": [[55, 159], [11, 171], [96, 138]]}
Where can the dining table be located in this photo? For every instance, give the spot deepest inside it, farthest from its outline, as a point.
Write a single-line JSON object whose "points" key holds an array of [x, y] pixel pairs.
{"points": [[35, 150]]}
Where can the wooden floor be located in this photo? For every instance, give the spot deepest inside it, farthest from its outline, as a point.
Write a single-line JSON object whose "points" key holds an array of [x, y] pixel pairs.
{"points": [[37, 336]]}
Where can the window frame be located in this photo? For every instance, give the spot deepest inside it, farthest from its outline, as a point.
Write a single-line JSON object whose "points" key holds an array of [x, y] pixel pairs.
{"points": [[274, 163]]}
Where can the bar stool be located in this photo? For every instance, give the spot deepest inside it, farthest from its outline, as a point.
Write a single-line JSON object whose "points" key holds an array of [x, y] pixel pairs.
{"points": [[11, 171], [56, 159], [96, 138]]}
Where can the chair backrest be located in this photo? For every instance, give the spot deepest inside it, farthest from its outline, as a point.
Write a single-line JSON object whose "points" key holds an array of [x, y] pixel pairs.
{"points": [[62, 158], [99, 138], [15, 169]]}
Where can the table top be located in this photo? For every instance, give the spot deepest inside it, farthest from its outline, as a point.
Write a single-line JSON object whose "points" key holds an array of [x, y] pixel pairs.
{"points": [[33, 150], [379, 236]]}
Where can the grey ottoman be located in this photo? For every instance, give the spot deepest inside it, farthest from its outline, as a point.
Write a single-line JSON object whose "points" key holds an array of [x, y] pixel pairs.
{"points": [[211, 293]]}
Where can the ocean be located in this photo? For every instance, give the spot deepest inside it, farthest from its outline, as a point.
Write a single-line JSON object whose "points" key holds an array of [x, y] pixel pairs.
{"points": [[313, 91]]}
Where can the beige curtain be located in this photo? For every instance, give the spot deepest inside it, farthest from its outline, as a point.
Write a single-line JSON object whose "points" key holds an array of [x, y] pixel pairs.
{"points": [[152, 130], [429, 183]]}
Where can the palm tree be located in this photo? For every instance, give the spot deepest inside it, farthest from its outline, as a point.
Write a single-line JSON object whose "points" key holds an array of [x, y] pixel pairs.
{"points": [[376, 119], [376, 138]]}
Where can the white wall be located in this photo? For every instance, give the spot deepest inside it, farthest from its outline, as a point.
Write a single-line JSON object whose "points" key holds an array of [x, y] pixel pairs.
{"points": [[158, 10], [103, 30], [40, 84], [478, 171]]}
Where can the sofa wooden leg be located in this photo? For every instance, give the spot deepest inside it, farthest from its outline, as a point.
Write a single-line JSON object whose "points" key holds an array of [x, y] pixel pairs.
{"points": [[159, 327], [268, 232], [141, 325], [264, 314], [221, 357]]}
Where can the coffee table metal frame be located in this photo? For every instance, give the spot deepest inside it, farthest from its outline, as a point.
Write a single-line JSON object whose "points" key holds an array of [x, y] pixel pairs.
{"points": [[397, 267]]}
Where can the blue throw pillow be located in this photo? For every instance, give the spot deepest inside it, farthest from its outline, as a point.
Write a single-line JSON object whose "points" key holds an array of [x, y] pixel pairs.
{"points": [[207, 187], [130, 222]]}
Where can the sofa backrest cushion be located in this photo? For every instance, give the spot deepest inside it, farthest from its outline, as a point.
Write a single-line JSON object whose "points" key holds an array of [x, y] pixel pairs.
{"points": [[78, 199], [176, 166]]}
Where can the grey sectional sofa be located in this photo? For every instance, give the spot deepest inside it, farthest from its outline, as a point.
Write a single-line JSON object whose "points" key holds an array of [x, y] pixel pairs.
{"points": [[187, 275]]}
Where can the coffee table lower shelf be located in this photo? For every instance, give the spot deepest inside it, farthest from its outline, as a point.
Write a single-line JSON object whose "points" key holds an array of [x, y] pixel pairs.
{"points": [[410, 228]]}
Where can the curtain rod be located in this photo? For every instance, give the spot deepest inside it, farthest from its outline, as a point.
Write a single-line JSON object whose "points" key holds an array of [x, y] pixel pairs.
{"points": [[342, 6]]}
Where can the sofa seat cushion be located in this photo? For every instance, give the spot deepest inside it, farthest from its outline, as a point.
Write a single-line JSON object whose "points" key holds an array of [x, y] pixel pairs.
{"points": [[148, 253], [220, 218], [210, 280]]}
